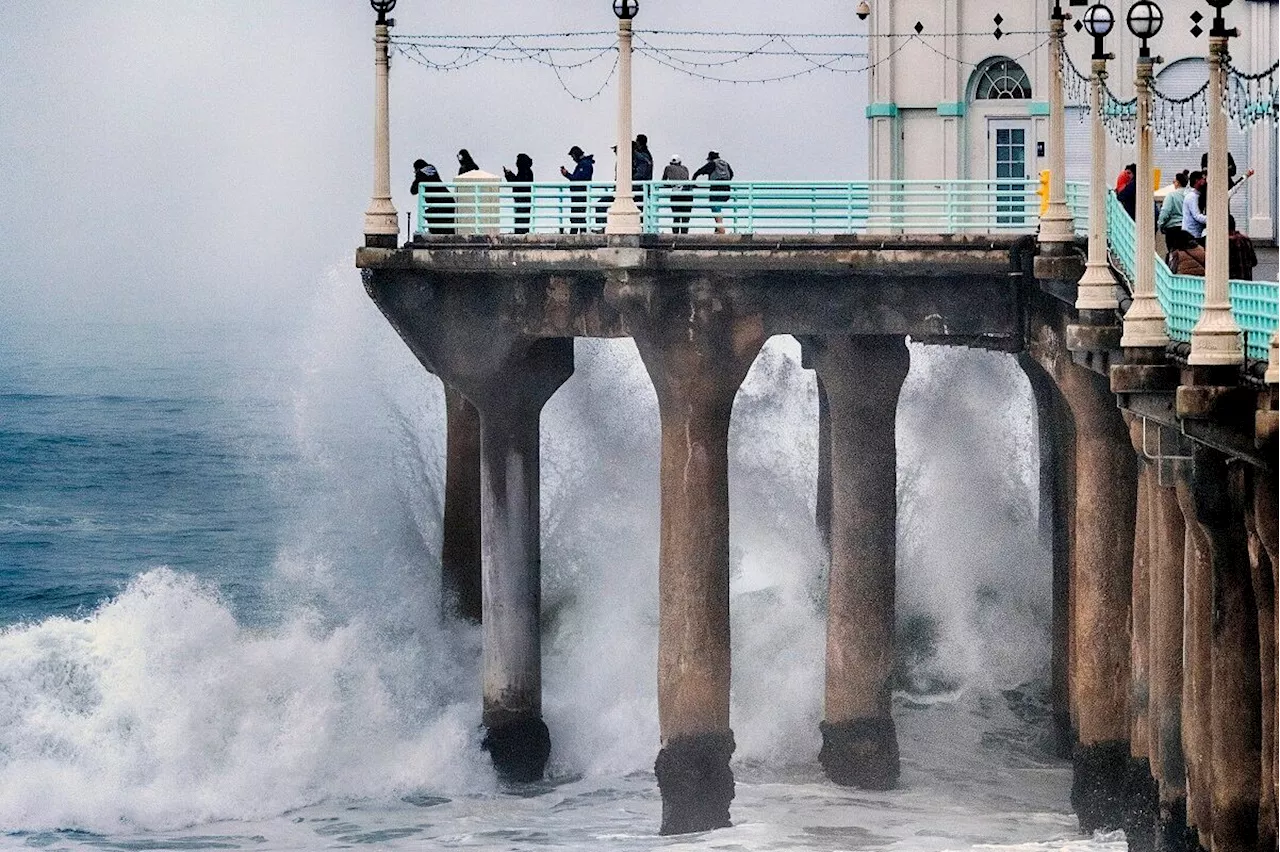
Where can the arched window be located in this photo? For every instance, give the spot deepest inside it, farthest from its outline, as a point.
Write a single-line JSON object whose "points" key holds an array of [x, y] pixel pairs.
{"points": [[1002, 80]]}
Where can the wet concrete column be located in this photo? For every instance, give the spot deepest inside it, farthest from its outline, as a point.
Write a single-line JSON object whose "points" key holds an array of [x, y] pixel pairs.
{"points": [[1144, 801], [1056, 433], [1197, 671], [863, 377], [697, 344], [460, 548], [1266, 527], [1235, 698], [822, 506], [1168, 536], [1106, 502], [1262, 570], [510, 403]]}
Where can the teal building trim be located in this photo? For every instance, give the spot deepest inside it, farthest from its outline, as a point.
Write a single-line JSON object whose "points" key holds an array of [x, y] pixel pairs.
{"points": [[956, 108], [886, 110], [1038, 108]]}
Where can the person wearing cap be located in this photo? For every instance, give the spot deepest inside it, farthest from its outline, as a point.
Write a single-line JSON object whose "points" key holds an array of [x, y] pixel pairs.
{"points": [[439, 203], [681, 202], [718, 172], [583, 171]]}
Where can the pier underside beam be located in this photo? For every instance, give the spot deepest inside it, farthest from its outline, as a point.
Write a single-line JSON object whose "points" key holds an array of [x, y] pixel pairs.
{"points": [[697, 343], [862, 378]]}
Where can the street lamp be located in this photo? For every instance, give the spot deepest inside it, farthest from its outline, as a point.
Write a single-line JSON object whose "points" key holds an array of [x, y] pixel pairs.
{"points": [[1057, 225], [624, 215], [863, 10], [1097, 288], [381, 224], [1215, 339], [1144, 323]]}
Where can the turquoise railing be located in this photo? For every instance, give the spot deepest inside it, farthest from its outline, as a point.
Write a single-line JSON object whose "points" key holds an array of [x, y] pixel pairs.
{"points": [[827, 207], [1255, 305]]}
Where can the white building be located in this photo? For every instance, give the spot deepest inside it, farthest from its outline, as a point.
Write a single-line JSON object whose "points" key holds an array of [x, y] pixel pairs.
{"points": [[950, 100]]}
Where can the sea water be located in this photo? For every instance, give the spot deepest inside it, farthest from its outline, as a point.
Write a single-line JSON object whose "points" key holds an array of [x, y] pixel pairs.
{"points": [[220, 620]]}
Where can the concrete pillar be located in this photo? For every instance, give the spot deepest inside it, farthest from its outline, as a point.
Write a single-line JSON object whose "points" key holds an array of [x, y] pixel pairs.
{"points": [[697, 347], [1056, 434], [1265, 518], [1262, 570], [1235, 697], [1144, 323], [1056, 225], [1144, 801], [1197, 673], [510, 402], [1096, 292], [1168, 535], [460, 548], [624, 215], [863, 377], [1106, 500]]}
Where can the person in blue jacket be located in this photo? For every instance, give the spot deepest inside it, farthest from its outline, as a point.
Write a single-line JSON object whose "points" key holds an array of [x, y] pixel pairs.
{"points": [[583, 170]]}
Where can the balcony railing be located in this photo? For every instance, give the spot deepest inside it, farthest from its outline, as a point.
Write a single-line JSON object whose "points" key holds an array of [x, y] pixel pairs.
{"points": [[825, 207], [1254, 304]]}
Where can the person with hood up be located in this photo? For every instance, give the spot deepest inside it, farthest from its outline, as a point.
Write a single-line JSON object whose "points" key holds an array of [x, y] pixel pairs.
{"points": [[583, 170], [718, 172], [681, 199], [641, 165], [522, 175], [439, 203], [1127, 190], [465, 163]]}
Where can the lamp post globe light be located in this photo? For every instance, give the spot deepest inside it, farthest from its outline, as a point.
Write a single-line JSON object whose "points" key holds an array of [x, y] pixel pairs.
{"points": [[1215, 339], [1144, 323], [1057, 227], [381, 224], [863, 10], [1096, 292], [624, 215]]}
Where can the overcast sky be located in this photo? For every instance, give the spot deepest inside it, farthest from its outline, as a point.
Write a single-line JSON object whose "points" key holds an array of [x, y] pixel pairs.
{"points": [[213, 159]]}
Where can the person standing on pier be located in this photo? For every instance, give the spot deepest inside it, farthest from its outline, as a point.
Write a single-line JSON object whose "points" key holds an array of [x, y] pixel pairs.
{"points": [[681, 200], [439, 203], [583, 170], [522, 175], [465, 163], [719, 172]]}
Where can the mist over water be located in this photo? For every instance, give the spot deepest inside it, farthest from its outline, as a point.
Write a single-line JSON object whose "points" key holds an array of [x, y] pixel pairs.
{"points": [[338, 682]]}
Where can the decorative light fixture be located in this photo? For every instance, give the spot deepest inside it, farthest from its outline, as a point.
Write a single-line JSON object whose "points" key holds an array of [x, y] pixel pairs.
{"points": [[863, 10], [1098, 21], [626, 9], [382, 7], [1145, 19], [1219, 29]]}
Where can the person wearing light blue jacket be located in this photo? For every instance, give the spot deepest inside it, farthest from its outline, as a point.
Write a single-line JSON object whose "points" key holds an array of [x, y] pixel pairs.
{"points": [[1169, 222]]}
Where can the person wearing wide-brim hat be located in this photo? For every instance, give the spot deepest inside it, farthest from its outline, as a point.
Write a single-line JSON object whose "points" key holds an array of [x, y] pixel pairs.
{"points": [[719, 173]]}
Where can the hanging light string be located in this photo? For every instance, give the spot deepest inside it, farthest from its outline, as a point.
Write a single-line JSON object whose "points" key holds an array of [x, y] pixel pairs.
{"points": [[1250, 98], [1180, 122], [816, 61]]}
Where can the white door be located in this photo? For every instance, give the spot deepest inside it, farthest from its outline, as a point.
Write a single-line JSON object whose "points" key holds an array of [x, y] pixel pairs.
{"points": [[1008, 141]]}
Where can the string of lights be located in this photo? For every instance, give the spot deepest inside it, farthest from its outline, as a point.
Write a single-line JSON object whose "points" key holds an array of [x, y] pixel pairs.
{"points": [[1250, 98], [1180, 122]]}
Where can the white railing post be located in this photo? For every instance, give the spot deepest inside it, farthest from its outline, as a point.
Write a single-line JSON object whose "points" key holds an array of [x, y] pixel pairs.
{"points": [[1144, 323], [1215, 340], [1097, 288]]}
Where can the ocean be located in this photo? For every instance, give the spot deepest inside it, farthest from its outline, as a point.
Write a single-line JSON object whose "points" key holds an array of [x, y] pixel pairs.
{"points": [[220, 619]]}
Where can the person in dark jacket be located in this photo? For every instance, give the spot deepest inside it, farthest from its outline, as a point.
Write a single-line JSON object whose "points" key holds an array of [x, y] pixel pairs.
{"points": [[718, 172], [681, 199], [465, 163], [439, 203], [583, 170], [522, 175], [1241, 258], [1127, 195], [641, 165]]}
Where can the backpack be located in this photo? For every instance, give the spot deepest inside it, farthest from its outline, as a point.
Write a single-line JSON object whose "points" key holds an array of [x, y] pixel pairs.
{"points": [[722, 171]]}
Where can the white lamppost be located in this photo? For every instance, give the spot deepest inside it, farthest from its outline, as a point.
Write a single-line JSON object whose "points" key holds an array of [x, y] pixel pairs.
{"points": [[1144, 323], [1057, 225], [1215, 340], [624, 215], [1097, 288], [381, 224]]}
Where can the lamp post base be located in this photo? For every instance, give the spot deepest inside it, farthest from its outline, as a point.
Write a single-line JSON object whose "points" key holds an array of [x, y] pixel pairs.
{"points": [[1097, 289], [1215, 340], [623, 217]]}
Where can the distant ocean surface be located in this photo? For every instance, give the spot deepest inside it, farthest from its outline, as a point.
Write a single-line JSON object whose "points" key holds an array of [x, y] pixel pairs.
{"points": [[220, 624]]}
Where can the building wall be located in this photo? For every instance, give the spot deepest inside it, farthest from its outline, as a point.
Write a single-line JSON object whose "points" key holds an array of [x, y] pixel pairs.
{"points": [[926, 125]]}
